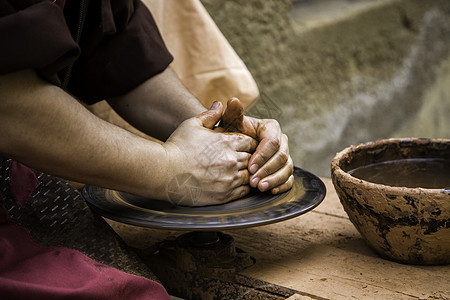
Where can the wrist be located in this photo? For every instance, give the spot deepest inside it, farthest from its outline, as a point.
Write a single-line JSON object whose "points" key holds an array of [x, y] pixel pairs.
{"points": [[156, 174]]}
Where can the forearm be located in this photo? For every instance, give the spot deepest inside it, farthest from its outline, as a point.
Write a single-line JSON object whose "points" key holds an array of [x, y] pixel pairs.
{"points": [[46, 129], [158, 106]]}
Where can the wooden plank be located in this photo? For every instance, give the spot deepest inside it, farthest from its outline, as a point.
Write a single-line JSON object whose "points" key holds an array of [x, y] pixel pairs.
{"points": [[321, 254]]}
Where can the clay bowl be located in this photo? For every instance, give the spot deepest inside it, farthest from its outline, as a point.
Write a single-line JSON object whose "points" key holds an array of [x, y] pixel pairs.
{"points": [[405, 224]]}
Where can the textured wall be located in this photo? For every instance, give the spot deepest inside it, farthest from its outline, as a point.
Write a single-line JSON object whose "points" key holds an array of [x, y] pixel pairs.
{"points": [[337, 76]]}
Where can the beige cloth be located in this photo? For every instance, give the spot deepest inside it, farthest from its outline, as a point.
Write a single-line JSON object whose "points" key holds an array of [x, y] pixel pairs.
{"points": [[203, 59]]}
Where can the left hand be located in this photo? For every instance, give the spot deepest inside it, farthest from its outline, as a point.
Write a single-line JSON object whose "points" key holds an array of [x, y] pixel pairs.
{"points": [[270, 165]]}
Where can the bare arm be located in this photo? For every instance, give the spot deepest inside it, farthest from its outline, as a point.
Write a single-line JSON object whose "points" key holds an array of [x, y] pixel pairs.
{"points": [[45, 128], [158, 106]]}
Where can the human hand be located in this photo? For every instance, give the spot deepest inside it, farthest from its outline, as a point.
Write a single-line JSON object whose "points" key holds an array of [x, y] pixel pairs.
{"points": [[270, 166], [207, 167]]}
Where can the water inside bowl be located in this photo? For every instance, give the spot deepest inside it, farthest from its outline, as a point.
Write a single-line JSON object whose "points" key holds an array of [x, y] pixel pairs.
{"points": [[430, 173]]}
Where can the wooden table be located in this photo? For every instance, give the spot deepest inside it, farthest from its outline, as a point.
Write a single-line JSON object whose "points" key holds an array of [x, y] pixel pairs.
{"points": [[321, 255]]}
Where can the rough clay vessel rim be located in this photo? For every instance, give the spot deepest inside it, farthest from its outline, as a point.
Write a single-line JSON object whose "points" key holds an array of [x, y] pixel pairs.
{"points": [[336, 167], [406, 225]]}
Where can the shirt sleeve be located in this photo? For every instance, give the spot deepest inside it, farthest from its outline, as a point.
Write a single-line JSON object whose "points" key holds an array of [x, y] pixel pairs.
{"points": [[120, 45], [34, 35], [120, 50]]}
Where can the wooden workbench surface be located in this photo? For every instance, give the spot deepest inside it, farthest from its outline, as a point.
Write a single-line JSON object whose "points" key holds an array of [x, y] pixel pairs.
{"points": [[321, 255]]}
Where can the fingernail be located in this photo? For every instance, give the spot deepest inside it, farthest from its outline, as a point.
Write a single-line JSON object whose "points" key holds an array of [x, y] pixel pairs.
{"points": [[255, 181], [275, 191], [263, 186], [254, 168], [215, 105]]}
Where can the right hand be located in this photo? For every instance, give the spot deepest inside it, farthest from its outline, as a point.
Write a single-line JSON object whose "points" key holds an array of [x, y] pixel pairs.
{"points": [[207, 167], [271, 166]]}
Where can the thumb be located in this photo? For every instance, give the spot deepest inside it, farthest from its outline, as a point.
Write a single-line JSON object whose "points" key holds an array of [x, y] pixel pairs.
{"points": [[233, 117], [210, 117]]}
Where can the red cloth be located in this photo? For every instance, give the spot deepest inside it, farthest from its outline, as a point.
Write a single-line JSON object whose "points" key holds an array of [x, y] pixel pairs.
{"points": [[22, 182], [32, 271]]}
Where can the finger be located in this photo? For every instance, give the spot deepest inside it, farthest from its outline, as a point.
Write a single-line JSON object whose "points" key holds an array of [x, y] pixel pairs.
{"points": [[276, 179], [233, 117], [229, 182], [241, 142], [265, 150], [242, 160], [243, 177], [270, 137], [276, 162], [284, 187], [214, 198], [227, 189], [238, 192], [210, 117], [219, 129]]}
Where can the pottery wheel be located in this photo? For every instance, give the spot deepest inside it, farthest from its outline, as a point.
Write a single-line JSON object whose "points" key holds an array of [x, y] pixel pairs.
{"points": [[255, 209]]}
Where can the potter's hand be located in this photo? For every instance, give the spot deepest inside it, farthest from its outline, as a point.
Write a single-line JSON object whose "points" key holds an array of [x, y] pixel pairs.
{"points": [[207, 167], [271, 165]]}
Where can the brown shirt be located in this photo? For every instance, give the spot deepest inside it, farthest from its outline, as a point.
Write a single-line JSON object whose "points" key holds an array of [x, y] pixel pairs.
{"points": [[120, 45]]}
